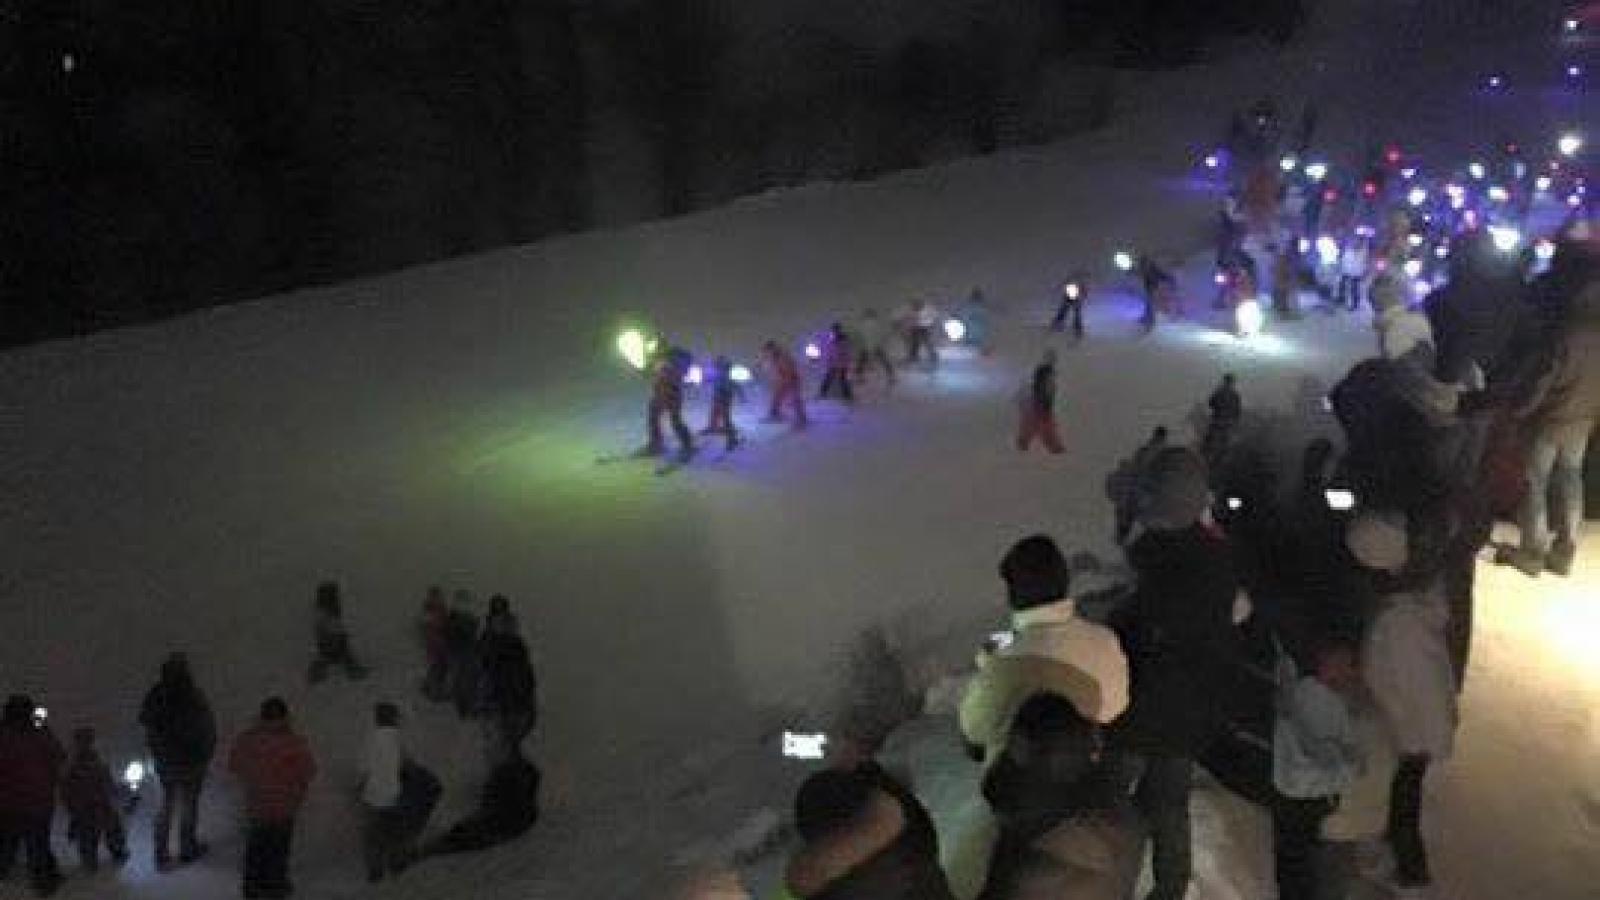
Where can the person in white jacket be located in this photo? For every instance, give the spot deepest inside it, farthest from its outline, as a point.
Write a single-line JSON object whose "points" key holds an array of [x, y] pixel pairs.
{"points": [[1405, 662], [383, 826]]}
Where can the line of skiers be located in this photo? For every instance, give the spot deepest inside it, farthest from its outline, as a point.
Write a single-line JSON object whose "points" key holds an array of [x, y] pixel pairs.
{"points": [[485, 673]]}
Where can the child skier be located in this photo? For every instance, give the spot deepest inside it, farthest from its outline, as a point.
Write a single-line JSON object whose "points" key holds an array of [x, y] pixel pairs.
{"points": [[1073, 295], [670, 367], [724, 393], [333, 639], [872, 342], [922, 321], [839, 356], [1039, 408], [785, 384], [89, 794]]}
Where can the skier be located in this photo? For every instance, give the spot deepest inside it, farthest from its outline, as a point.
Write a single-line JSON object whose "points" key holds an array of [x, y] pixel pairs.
{"points": [[669, 368], [434, 628], [1160, 291], [274, 765], [840, 357], [1039, 408], [976, 316], [1353, 262], [872, 346], [1074, 294], [30, 769], [725, 392], [923, 324], [333, 637], [89, 794], [1227, 411], [785, 384], [181, 734]]}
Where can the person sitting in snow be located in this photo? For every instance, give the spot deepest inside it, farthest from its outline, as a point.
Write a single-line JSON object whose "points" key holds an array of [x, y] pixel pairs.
{"points": [[725, 392], [90, 796], [864, 836], [1065, 830], [507, 808], [840, 357], [786, 389], [333, 637]]}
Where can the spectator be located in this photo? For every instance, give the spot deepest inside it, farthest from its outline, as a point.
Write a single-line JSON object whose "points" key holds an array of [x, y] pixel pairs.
{"points": [[30, 770], [383, 828], [500, 619], [274, 766], [1178, 629], [181, 734], [89, 794], [863, 837], [1129, 486], [509, 690]]}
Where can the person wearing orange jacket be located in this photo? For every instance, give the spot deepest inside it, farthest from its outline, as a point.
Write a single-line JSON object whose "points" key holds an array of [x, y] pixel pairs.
{"points": [[274, 765], [785, 384]]}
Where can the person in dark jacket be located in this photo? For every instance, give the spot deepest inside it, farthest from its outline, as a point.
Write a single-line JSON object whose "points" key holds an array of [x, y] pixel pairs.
{"points": [[1066, 831], [1074, 294], [333, 637], [1179, 633], [181, 734], [840, 356], [1476, 313], [725, 392], [509, 690], [89, 794], [1227, 411], [508, 807], [1131, 483], [433, 628], [1039, 408], [461, 641], [864, 836], [30, 770]]}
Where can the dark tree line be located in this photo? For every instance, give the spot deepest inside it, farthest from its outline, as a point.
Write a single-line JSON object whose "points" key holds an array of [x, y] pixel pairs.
{"points": [[164, 155]]}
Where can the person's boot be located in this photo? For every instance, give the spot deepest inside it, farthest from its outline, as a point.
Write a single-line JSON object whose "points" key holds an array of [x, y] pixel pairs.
{"points": [[1528, 562], [1559, 559]]}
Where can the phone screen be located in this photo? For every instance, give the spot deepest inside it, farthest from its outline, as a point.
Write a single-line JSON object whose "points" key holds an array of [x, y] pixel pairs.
{"points": [[802, 745]]}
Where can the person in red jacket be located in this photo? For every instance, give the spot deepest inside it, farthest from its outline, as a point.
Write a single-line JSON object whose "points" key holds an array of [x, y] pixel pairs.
{"points": [[785, 384], [275, 767], [90, 796], [670, 368], [30, 769], [1039, 408]]}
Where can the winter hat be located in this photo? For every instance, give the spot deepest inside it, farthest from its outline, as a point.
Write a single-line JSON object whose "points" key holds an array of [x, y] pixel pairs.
{"points": [[1179, 493], [1035, 572], [1378, 540], [18, 709], [1384, 293]]}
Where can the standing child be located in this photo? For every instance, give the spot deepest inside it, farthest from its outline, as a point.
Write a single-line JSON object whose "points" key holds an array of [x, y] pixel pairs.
{"points": [[840, 356], [724, 393], [333, 638], [785, 384], [89, 795], [1039, 408]]}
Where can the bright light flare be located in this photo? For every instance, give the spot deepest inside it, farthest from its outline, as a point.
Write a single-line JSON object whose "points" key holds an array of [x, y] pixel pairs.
{"points": [[801, 745], [1408, 173], [1340, 499], [1477, 171], [1316, 171], [1574, 71], [1506, 238], [1327, 250], [1570, 26], [1249, 317], [1073, 290], [1412, 268], [1221, 279], [813, 350], [955, 330], [1213, 161], [1498, 194], [634, 347], [741, 374], [1123, 260], [133, 775], [1544, 250], [695, 375], [1542, 183], [1495, 82], [1417, 196], [1414, 241], [1289, 163], [1569, 144]]}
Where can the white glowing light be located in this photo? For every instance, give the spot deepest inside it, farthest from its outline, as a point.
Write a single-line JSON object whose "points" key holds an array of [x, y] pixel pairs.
{"points": [[1544, 250], [1303, 245], [1412, 268], [1073, 291], [1441, 252], [1477, 171], [1212, 161], [1235, 504], [800, 745], [813, 350], [1249, 317], [1498, 194], [1327, 250], [1289, 163], [1413, 240], [1542, 183], [1221, 278], [1574, 71], [634, 347], [69, 63], [1455, 190], [1420, 289], [1569, 144], [1316, 171], [955, 330], [1339, 499], [1123, 260], [1505, 237], [1417, 196], [1408, 173], [1574, 201], [695, 375], [741, 374], [1496, 81], [1570, 26], [133, 775]]}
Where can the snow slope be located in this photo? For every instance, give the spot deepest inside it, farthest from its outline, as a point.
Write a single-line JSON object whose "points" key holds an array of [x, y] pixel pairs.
{"points": [[185, 485]]}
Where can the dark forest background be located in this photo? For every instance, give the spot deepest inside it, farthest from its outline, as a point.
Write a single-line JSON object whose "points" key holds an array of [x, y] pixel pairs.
{"points": [[163, 155]]}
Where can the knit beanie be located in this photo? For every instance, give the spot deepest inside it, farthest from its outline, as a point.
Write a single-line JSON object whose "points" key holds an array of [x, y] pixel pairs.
{"points": [[1035, 572], [1178, 491], [1378, 540]]}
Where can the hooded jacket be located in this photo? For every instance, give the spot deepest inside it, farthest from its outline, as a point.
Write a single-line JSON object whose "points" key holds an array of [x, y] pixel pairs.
{"points": [[180, 729], [275, 766], [30, 768]]}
